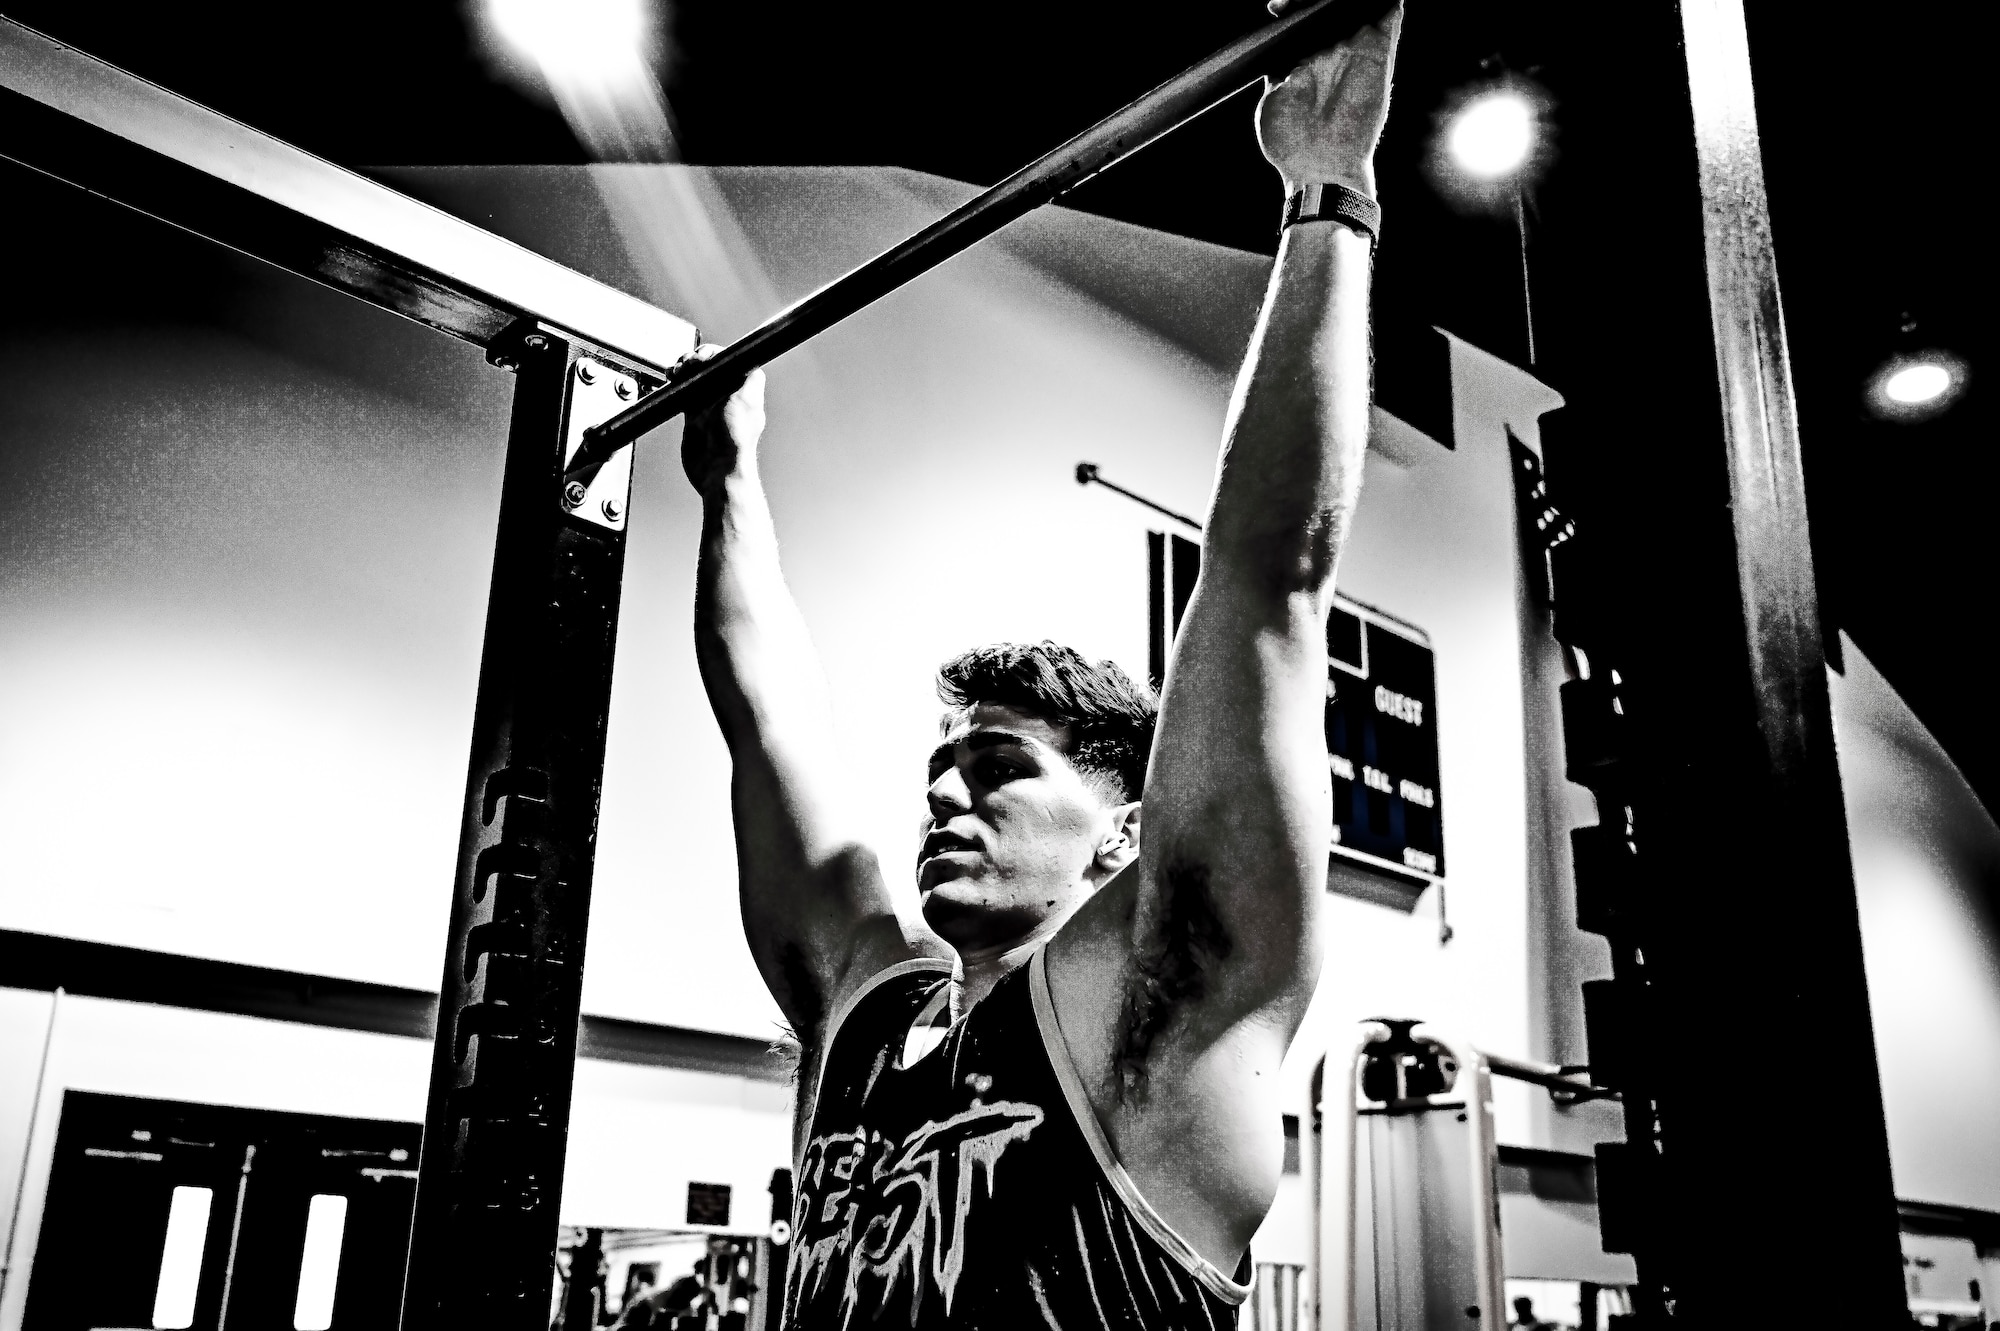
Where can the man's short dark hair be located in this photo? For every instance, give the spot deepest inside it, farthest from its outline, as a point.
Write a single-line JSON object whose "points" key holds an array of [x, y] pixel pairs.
{"points": [[1110, 718]]}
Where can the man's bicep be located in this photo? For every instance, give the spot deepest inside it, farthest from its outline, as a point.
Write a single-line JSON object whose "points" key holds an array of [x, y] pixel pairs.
{"points": [[1238, 798]]}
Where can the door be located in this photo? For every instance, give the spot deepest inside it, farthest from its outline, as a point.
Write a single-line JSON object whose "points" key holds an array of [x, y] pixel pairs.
{"points": [[168, 1215]]}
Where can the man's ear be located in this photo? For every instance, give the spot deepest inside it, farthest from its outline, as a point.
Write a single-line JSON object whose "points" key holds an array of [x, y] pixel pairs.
{"points": [[1118, 846]]}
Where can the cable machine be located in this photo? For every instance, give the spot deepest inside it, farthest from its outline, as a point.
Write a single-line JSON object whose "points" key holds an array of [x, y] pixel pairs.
{"points": [[1403, 1176]]}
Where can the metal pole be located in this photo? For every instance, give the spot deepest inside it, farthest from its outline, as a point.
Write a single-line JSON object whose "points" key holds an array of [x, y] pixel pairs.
{"points": [[1527, 288], [1272, 50], [1812, 971], [1087, 473], [1332, 1266], [235, 1235], [490, 1178], [1706, 686], [1576, 1085], [28, 1142]]}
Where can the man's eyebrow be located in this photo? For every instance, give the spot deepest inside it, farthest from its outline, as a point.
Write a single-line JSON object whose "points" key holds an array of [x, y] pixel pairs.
{"points": [[988, 739], [978, 739]]}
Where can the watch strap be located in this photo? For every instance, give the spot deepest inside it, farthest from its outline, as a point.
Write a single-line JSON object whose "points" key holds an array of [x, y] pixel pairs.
{"points": [[1335, 203]]}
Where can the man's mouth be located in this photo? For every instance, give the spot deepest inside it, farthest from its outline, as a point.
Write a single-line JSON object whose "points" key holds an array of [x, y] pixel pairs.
{"points": [[941, 842]]}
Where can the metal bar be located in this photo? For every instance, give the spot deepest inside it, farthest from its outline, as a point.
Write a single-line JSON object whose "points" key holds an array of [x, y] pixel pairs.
{"points": [[1812, 982], [1087, 473], [28, 1141], [1332, 1266], [79, 120], [490, 1178], [1574, 1084], [1272, 50], [235, 1235]]}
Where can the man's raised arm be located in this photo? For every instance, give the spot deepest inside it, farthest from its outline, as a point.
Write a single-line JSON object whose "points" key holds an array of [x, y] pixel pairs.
{"points": [[816, 908], [1179, 986], [1238, 803]]}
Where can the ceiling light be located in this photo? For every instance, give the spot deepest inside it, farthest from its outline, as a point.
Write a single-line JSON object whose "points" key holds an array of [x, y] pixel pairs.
{"points": [[1916, 387], [1490, 143], [572, 38], [1914, 384], [1493, 135]]}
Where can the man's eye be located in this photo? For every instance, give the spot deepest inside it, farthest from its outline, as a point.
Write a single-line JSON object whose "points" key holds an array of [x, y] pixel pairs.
{"points": [[994, 771]]}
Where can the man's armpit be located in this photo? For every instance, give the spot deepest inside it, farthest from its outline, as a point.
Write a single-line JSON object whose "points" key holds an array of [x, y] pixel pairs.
{"points": [[801, 999], [1187, 939]]}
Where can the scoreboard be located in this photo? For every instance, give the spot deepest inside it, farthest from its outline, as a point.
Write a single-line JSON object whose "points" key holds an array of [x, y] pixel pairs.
{"points": [[1381, 742], [1381, 722]]}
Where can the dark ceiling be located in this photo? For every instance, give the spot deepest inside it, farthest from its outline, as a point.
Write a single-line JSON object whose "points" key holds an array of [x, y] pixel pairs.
{"points": [[1869, 149]]}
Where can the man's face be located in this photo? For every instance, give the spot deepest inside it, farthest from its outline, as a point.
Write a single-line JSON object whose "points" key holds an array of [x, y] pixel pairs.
{"points": [[1012, 833]]}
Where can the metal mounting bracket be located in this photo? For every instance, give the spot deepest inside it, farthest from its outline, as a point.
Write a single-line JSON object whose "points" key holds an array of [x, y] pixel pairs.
{"points": [[600, 391]]}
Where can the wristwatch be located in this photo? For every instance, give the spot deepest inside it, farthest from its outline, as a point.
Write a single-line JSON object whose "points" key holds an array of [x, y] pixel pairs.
{"points": [[1335, 203]]}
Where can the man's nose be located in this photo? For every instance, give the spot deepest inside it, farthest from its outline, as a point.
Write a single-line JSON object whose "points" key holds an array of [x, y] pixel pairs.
{"points": [[949, 794]]}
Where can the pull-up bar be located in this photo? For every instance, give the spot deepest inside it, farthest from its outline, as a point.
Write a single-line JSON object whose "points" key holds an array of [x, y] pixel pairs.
{"points": [[1272, 50]]}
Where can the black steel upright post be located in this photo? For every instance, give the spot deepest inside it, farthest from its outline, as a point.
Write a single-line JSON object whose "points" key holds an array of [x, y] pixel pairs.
{"points": [[1718, 869], [483, 1241]]}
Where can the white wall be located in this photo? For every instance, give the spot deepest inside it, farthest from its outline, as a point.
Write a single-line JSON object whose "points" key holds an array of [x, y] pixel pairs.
{"points": [[1926, 864], [638, 1135]]}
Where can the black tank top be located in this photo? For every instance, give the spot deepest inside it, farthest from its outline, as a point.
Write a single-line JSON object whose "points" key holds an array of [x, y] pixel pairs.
{"points": [[974, 1190]]}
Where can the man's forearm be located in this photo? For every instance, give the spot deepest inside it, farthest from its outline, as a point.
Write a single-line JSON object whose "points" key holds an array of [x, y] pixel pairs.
{"points": [[1298, 423], [756, 656]]}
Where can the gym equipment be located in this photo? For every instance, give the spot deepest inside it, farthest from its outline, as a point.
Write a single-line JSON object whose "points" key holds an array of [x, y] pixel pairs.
{"points": [[1270, 51], [1412, 1132], [1406, 1120]]}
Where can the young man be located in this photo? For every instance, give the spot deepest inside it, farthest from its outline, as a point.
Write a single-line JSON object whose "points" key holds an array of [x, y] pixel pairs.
{"points": [[1038, 1085]]}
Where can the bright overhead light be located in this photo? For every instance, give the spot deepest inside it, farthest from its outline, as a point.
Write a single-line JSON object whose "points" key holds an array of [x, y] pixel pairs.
{"points": [[572, 38], [1493, 135], [1915, 384], [1490, 143], [1916, 387]]}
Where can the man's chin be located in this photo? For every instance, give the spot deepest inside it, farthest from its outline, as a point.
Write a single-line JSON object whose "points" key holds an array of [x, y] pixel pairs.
{"points": [[947, 892], [951, 904]]}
